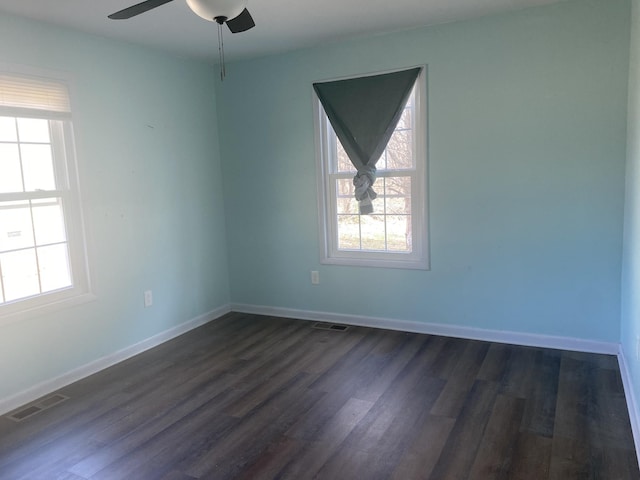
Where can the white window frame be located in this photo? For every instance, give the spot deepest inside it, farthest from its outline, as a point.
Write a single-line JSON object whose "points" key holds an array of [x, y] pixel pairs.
{"points": [[327, 204], [68, 190]]}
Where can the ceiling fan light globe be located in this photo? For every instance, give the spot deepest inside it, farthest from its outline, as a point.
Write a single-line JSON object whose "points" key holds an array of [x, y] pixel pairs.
{"points": [[210, 9]]}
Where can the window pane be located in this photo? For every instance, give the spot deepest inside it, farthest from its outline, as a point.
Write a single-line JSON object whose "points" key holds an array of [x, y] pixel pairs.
{"points": [[344, 187], [400, 186], [399, 233], [347, 205], [401, 205], [373, 232], [346, 202], [381, 164], [37, 164], [349, 232], [15, 226], [8, 129], [400, 150], [55, 272], [33, 130], [10, 174], [405, 121], [19, 274], [48, 221]]}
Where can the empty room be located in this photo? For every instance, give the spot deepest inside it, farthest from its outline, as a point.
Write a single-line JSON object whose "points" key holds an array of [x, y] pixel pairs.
{"points": [[336, 240]]}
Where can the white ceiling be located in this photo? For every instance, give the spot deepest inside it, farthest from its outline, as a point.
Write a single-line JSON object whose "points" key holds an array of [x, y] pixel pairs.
{"points": [[281, 25]]}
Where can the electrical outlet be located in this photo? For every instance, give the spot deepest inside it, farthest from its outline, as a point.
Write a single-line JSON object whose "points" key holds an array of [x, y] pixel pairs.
{"points": [[315, 277], [148, 298]]}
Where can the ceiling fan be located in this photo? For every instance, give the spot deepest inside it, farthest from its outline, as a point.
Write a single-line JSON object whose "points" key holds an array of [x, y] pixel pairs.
{"points": [[232, 12]]}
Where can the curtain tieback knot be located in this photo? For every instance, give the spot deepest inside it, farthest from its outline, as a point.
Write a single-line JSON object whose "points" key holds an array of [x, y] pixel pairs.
{"points": [[363, 181]]}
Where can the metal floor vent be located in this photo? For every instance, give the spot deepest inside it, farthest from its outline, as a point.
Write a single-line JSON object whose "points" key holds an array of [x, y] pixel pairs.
{"points": [[330, 326], [30, 410]]}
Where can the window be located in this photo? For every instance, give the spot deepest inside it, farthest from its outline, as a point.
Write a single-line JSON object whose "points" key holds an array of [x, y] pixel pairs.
{"points": [[42, 255], [394, 234]]}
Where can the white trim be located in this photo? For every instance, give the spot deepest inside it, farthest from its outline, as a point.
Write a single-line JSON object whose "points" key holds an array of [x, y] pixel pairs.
{"points": [[48, 386], [458, 331], [632, 404], [55, 301]]}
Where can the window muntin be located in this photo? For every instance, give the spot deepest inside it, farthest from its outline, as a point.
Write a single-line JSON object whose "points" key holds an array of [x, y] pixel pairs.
{"points": [[42, 254], [395, 234]]}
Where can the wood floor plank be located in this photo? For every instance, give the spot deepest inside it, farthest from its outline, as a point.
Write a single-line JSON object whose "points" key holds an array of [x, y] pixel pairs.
{"points": [[495, 455], [202, 427], [495, 363], [405, 349], [258, 398], [570, 458], [230, 395], [521, 366], [328, 347], [55, 436], [50, 463], [241, 447], [103, 395], [459, 452], [355, 363], [540, 408], [573, 401], [531, 457], [326, 441], [134, 435], [267, 385], [461, 380], [66, 476], [609, 425], [177, 476], [383, 435], [448, 357], [273, 459], [571, 454], [614, 463], [422, 455]]}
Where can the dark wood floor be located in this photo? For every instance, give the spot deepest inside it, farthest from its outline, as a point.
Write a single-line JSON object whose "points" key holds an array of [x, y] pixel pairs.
{"points": [[249, 397]]}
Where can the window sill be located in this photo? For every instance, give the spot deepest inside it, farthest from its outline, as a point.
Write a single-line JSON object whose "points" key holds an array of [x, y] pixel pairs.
{"points": [[30, 312], [377, 263]]}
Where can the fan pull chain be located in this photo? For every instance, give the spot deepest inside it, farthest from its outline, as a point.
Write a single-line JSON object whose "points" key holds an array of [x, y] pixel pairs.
{"points": [[223, 71]]}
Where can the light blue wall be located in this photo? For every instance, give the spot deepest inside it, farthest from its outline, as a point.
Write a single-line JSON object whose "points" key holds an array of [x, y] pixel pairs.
{"points": [[526, 155], [630, 331], [150, 173]]}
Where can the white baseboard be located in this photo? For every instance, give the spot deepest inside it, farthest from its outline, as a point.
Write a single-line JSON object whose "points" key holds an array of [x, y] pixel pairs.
{"points": [[21, 398], [500, 336], [632, 405]]}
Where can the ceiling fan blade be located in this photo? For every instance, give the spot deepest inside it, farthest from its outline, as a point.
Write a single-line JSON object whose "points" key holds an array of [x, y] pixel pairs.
{"points": [[137, 9], [241, 23]]}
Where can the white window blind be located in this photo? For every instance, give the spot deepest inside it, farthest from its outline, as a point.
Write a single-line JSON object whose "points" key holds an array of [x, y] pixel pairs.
{"points": [[34, 94]]}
